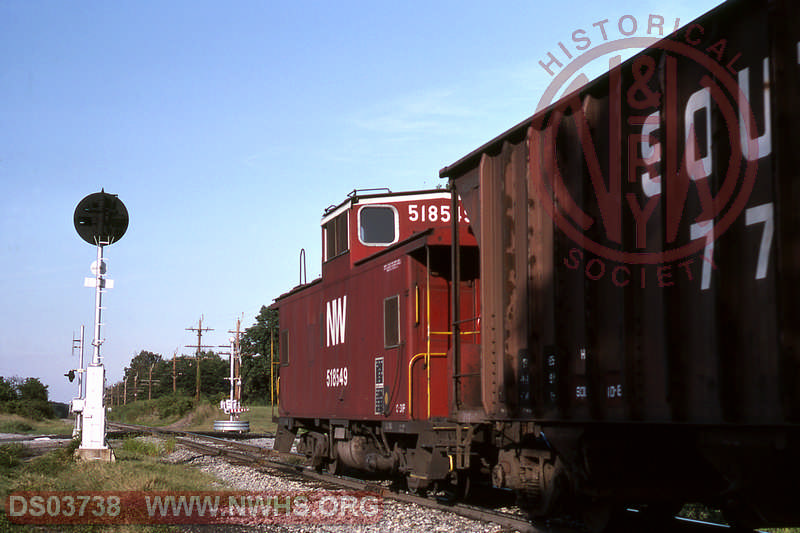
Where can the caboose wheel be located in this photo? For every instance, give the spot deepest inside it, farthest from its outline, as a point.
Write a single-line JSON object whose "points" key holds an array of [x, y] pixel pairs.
{"points": [[454, 488], [416, 485], [460, 484]]}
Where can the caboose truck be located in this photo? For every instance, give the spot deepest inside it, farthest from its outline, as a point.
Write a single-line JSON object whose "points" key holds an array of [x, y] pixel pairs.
{"points": [[365, 350]]}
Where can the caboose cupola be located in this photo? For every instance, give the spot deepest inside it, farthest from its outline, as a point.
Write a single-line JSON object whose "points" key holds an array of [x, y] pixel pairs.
{"points": [[368, 222]]}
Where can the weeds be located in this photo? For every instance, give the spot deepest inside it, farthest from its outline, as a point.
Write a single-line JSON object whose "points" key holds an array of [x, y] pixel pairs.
{"points": [[138, 468], [162, 410], [138, 447], [11, 456], [15, 426], [169, 445], [14, 423]]}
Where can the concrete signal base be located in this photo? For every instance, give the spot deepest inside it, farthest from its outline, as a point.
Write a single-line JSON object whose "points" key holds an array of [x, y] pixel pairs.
{"points": [[95, 454], [242, 426]]}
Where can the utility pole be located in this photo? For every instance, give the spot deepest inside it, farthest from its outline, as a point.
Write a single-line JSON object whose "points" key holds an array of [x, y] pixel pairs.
{"points": [[233, 406], [174, 373], [199, 329], [125, 394], [236, 354], [150, 381]]}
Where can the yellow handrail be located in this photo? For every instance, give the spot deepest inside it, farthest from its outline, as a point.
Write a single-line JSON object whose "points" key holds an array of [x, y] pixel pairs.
{"points": [[427, 354], [410, 380]]}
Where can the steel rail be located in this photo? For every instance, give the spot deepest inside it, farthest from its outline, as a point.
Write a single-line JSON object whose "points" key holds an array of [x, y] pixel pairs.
{"points": [[250, 453]]}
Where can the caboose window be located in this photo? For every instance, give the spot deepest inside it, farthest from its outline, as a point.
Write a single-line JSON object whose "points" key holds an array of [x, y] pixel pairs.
{"points": [[335, 232], [377, 225], [391, 322], [283, 347]]}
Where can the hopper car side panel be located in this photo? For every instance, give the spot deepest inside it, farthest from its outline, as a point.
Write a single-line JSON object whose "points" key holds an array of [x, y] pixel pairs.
{"points": [[640, 270], [693, 339]]}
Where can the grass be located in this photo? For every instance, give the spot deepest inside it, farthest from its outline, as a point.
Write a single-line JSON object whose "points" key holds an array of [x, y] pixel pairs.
{"points": [[159, 412], [17, 424], [11, 456], [697, 511], [137, 448], [260, 417], [138, 465], [162, 412], [138, 468]]}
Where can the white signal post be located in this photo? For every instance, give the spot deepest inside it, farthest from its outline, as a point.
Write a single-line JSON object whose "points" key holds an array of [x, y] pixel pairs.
{"points": [[93, 437], [100, 220], [76, 406]]}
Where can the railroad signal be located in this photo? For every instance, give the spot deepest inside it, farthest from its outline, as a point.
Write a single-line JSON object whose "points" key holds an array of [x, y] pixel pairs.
{"points": [[100, 219]]}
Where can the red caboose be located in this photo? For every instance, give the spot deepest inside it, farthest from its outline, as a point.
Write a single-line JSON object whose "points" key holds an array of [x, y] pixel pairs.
{"points": [[365, 350]]}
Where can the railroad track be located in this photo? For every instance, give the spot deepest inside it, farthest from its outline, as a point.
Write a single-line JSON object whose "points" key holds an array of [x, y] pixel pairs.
{"points": [[244, 453], [295, 464]]}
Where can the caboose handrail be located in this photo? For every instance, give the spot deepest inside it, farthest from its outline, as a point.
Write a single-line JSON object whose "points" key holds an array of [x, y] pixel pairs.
{"points": [[355, 192], [411, 362], [303, 268]]}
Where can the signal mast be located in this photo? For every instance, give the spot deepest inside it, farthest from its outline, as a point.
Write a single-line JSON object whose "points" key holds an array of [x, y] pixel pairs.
{"points": [[100, 219]]}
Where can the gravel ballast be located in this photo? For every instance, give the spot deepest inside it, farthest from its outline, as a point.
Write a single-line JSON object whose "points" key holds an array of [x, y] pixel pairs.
{"points": [[395, 516]]}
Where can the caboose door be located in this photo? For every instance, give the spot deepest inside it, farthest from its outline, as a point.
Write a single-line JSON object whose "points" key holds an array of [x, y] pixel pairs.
{"points": [[428, 367]]}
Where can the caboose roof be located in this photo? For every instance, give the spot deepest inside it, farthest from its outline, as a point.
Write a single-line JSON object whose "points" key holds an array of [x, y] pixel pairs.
{"points": [[356, 197]]}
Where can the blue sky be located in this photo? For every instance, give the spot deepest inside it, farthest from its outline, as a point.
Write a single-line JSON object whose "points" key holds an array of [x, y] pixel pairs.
{"points": [[226, 129]]}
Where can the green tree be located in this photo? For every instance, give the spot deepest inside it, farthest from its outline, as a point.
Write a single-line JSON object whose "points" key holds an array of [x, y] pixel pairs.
{"points": [[32, 390], [7, 391], [255, 378], [29, 398], [213, 371], [186, 371], [257, 344], [138, 373], [162, 377]]}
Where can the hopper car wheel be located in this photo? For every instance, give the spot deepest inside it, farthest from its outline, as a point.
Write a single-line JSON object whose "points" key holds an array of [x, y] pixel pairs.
{"points": [[740, 516], [333, 467], [659, 512], [600, 515]]}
